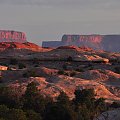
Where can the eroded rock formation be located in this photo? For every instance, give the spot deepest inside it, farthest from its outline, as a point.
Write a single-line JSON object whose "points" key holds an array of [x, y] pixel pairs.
{"points": [[12, 36], [98, 42]]}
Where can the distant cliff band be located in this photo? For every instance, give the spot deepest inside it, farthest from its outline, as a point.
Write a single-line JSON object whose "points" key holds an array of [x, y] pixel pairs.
{"points": [[98, 42], [12, 36]]}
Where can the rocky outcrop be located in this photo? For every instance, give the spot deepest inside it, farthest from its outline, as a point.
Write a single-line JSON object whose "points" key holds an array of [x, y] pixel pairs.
{"points": [[16, 45], [3, 67], [92, 58]]}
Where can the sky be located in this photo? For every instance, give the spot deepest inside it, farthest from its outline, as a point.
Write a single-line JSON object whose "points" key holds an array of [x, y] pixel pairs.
{"points": [[44, 20]]}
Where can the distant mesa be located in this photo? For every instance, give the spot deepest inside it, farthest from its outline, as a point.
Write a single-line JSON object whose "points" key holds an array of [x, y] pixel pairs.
{"points": [[12, 36], [97, 42], [15, 40]]}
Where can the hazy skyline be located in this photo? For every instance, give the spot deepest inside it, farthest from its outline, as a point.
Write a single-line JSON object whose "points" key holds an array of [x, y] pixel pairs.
{"points": [[50, 19]]}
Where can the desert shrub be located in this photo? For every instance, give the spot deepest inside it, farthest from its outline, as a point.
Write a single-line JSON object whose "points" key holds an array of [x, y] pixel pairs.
{"points": [[61, 109], [32, 115], [3, 111], [13, 61], [32, 99], [87, 106], [35, 61], [91, 68], [1, 81], [59, 112], [66, 73], [69, 59], [61, 72], [7, 96], [16, 114], [36, 65], [21, 65], [33, 106], [25, 75], [85, 95], [83, 113], [2, 119], [63, 99], [64, 67], [72, 74], [80, 70], [115, 105], [117, 70], [31, 73]]}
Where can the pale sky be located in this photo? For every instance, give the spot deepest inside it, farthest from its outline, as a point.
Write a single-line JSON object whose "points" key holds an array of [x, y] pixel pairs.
{"points": [[50, 19]]}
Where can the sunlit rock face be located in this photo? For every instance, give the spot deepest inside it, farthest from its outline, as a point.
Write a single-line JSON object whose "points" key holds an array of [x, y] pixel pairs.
{"points": [[93, 41], [97, 42], [12, 36]]}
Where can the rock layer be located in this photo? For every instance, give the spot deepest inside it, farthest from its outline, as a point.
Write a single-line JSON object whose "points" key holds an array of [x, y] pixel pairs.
{"points": [[12, 36], [98, 42]]}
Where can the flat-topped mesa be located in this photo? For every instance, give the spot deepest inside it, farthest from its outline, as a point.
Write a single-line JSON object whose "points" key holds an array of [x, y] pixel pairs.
{"points": [[97, 42], [81, 38], [12, 36], [100, 42]]}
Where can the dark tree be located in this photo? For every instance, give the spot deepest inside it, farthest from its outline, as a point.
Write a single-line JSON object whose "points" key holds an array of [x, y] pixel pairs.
{"points": [[6, 97], [3, 111], [84, 96], [32, 99], [31, 115], [16, 114], [59, 112], [63, 99]]}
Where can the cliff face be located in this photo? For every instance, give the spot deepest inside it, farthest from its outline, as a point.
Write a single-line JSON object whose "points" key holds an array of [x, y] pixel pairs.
{"points": [[93, 41], [97, 42], [111, 43], [103, 42], [12, 36]]}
